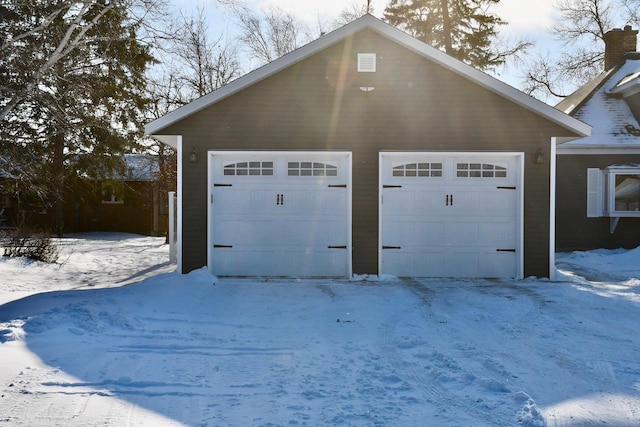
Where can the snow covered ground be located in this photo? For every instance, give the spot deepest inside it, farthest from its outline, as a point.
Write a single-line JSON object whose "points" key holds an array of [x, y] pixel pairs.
{"points": [[112, 336]]}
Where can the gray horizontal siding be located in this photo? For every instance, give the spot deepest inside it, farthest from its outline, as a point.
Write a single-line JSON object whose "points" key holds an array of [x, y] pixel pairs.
{"points": [[574, 230], [416, 105]]}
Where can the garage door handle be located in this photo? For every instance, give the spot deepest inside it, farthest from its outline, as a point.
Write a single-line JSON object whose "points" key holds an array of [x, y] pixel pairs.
{"points": [[279, 199], [505, 250], [392, 186], [223, 185], [392, 247], [337, 247], [222, 246], [506, 188], [337, 185]]}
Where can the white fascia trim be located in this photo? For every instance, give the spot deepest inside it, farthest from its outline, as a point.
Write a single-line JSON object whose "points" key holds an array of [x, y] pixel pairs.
{"points": [[552, 210], [596, 150], [402, 38], [180, 198]]}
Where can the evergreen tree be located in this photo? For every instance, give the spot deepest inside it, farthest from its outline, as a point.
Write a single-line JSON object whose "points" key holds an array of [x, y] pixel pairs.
{"points": [[72, 82], [464, 29]]}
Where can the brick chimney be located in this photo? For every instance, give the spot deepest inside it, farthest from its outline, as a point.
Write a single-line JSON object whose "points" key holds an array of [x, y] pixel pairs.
{"points": [[617, 43]]}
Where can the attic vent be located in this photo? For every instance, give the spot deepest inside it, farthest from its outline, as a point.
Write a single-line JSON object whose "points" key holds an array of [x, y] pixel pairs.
{"points": [[366, 62]]}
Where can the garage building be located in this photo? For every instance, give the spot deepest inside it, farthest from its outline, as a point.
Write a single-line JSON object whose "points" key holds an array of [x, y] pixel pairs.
{"points": [[366, 152]]}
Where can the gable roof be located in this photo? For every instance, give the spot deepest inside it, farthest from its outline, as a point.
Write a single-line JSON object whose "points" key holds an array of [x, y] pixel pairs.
{"points": [[601, 103], [366, 22]]}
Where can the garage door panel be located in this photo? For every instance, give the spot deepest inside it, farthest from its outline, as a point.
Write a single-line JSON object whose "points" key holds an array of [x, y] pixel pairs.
{"points": [[279, 214], [400, 201], [462, 263], [462, 233], [307, 232], [236, 232], [315, 201], [284, 262], [499, 202], [495, 263], [404, 263], [498, 234], [431, 233], [461, 222], [245, 201]]}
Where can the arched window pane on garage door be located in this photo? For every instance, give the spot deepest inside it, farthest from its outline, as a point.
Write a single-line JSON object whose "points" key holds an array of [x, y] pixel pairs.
{"points": [[480, 170], [312, 169], [417, 170], [249, 168]]}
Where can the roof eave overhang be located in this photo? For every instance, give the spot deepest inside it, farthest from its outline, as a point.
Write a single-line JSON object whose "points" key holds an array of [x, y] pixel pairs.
{"points": [[628, 89], [572, 125], [170, 140]]}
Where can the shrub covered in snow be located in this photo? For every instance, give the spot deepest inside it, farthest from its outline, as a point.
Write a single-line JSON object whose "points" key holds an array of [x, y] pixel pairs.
{"points": [[37, 246]]}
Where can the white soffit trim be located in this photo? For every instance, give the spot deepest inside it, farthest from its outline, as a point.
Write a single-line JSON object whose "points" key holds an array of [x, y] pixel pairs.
{"points": [[628, 86], [170, 140], [400, 37]]}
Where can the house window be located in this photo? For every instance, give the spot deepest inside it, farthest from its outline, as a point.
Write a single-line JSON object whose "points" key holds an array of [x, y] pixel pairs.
{"points": [[614, 191], [480, 170], [312, 169], [418, 170], [110, 195], [249, 168], [626, 192]]}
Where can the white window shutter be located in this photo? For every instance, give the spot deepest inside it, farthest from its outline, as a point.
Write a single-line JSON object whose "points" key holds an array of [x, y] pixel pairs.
{"points": [[595, 193]]}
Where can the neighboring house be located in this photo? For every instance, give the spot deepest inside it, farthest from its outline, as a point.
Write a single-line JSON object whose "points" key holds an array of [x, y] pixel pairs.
{"points": [[598, 178], [366, 152], [133, 202]]}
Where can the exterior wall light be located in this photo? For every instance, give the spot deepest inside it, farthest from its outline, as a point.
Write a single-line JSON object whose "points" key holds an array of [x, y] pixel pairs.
{"points": [[193, 156], [539, 157]]}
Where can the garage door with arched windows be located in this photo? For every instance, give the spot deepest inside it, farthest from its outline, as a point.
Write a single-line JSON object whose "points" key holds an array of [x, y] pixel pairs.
{"points": [[279, 214], [451, 214]]}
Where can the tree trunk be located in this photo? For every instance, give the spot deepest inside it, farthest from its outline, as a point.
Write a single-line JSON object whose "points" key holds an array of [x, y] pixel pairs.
{"points": [[58, 183], [446, 27]]}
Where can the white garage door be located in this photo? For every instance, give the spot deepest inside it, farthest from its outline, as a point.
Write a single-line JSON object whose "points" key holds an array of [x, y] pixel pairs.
{"points": [[280, 214], [450, 215]]}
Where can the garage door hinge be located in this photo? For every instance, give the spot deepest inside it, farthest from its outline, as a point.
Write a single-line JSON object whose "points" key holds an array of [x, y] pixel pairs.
{"points": [[506, 188], [337, 247], [392, 247], [222, 246], [337, 185], [505, 250]]}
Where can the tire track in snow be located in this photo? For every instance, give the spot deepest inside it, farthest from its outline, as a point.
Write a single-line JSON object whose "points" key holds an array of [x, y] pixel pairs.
{"points": [[436, 369]]}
